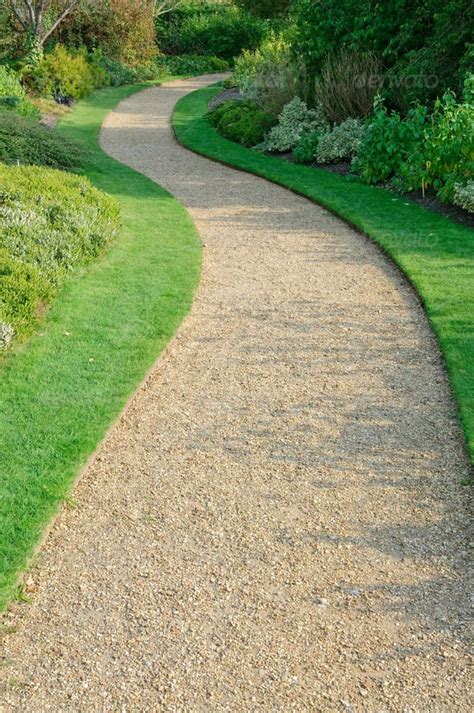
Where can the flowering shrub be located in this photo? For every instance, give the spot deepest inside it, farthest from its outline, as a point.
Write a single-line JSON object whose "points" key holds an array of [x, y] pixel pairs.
{"points": [[341, 143], [295, 121], [463, 196], [6, 334]]}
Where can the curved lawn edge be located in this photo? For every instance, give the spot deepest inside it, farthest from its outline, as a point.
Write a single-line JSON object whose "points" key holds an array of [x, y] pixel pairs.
{"points": [[434, 253], [60, 393]]}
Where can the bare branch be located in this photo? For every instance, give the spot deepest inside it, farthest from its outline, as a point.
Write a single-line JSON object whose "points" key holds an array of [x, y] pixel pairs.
{"points": [[69, 7]]}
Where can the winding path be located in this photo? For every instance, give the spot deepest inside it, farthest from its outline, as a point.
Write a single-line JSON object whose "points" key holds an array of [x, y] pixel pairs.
{"points": [[277, 521]]}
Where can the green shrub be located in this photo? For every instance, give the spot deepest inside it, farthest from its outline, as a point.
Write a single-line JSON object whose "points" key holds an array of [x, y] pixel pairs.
{"points": [[53, 221], [421, 150], [390, 142], [270, 74], [341, 143], [13, 96], [190, 64], [65, 76], [295, 121], [208, 28], [463, 196], [305, 149], [243, 122], [23, 291], [25, 141]]}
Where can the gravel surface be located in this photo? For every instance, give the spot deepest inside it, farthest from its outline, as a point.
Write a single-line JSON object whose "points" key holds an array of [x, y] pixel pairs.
{"points": [[277, 521]]}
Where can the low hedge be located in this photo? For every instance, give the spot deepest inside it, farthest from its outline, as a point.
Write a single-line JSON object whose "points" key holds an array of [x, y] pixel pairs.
{"points": [[25, 141], [242, 121], [51, 223]]}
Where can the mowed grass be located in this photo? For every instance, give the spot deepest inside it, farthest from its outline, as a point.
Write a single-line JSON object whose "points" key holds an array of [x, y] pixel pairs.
{"points": [[63, 389], [435, 253]]}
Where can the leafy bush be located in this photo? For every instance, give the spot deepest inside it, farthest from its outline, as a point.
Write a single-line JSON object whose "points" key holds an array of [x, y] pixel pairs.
{"points": [[348, 84], [305, 149], [12, 94], [341, 143], [295, 121], [208, 28], [65, 76], [190, 64], [463, 196], [240, 121], [22, 293], [422, 150], [53, 221], [269, 75], [25, 141]]}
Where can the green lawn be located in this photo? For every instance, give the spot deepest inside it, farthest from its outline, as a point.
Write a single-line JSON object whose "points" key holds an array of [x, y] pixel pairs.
{"points": [[61, 391], [436, 254]]}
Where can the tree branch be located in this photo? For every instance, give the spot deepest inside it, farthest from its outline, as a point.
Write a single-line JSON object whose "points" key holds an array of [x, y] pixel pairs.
{"points": [[66, 11]]}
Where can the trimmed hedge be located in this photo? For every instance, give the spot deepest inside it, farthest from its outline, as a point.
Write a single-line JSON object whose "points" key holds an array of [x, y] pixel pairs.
{"points": [[25, 141], [51, 223]]}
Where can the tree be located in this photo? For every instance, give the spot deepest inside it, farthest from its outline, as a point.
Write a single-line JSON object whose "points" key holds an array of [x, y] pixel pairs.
{"points": [[40, 18]]}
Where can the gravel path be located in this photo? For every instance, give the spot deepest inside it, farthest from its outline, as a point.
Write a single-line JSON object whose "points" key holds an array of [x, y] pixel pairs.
{"points": [[277, 522]]}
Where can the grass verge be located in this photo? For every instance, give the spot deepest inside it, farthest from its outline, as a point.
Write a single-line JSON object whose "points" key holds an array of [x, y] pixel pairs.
{"points": [[434, 253], [60, 392]]}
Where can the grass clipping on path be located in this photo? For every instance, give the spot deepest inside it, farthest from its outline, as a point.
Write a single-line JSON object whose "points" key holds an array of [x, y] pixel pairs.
{"points": [[436, 254], [60, 392]]}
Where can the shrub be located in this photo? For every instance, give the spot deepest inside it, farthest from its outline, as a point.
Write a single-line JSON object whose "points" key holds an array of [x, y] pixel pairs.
{"points": [[463, 196], [65, 76], [270, 74], [341, 143], [305, 149], [25, 141], [422, 150], [12, 94], [190, 64], [22, 293], [208, 28], [243, 122], [295, 121], [348, 85], [53, 221]]}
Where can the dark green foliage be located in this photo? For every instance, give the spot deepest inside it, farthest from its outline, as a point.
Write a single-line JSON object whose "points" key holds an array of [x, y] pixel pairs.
{"points": [[189, 64], [266, 8], [208, 28], [305, 149], [25, 141], [423, 46], [244, 122], [421, 150]]}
